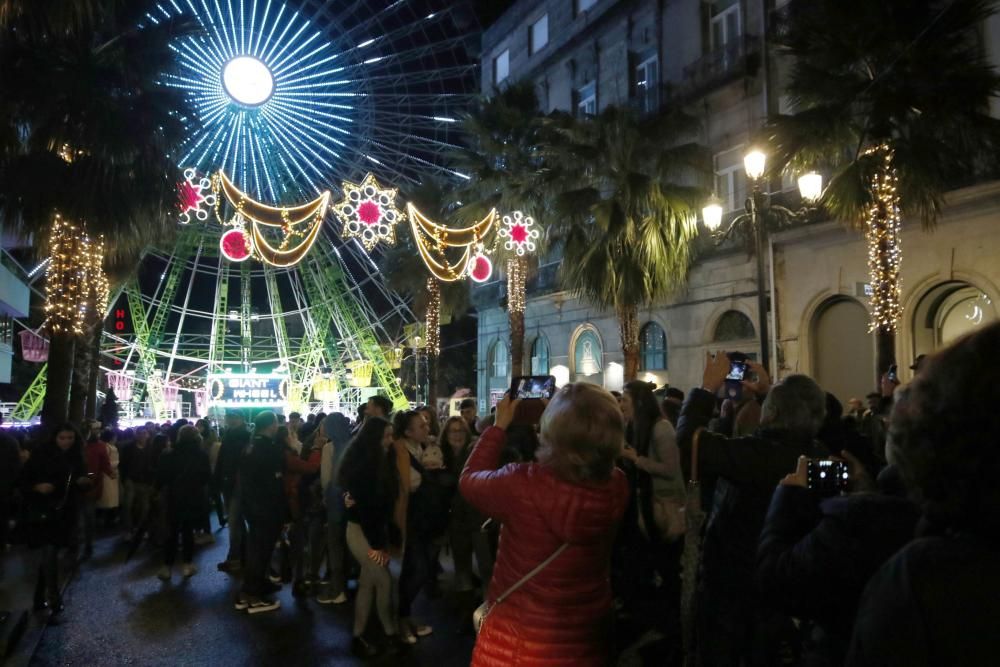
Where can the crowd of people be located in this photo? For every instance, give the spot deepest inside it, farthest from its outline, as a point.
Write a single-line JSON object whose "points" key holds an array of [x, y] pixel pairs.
{"points": [[697, 527]]}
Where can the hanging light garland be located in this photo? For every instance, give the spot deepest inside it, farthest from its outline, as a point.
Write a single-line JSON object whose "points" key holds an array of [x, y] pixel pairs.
{"points": [[434, 239], [65, 278], [882, 232], [433, 316], [515, 284], [368, 212], [246, 238]]}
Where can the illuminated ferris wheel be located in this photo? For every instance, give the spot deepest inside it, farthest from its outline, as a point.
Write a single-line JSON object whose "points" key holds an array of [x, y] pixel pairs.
{"points": [[292, 100]]}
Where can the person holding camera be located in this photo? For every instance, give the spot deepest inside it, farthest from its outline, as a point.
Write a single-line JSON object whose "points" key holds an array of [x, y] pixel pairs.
{"points": [[820, 545], [735, 622], [549, 601]]}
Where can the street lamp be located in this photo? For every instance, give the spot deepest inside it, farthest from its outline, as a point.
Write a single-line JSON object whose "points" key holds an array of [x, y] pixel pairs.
{"points": [[758, 204]]}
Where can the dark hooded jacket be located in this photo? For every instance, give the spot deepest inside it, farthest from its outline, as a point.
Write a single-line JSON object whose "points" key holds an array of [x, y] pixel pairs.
{"points": [[560, 616]]}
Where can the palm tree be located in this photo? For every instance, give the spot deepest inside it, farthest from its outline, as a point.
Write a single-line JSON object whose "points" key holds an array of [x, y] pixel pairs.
{"points": [[87, 131], [403, 269], [504, 158], [892, 96], [626, 221]]}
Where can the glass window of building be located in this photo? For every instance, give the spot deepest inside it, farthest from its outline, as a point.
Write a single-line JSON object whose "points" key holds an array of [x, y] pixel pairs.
{"points": [[498, 360], [584, 5], [647, 84], [733, 325], [588, 355], [586, 100], [726, 27], [501, 66], [652, 348], [731, 179], [538, 36], [540, 356]]}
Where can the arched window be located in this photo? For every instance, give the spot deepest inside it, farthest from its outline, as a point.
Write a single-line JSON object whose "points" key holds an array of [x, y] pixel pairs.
{"points": [[540, 356], [498, 360], [588, 354], [652, 348], [733, 325]]}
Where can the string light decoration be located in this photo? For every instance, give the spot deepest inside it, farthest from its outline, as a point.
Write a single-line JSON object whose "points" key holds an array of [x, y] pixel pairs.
{"points": [[246, 238], [434, 239], [516, 271], [368, 212], [519, 233], [65, 278], [192, 193], [882, 232], [97, 287], [433, 316]]}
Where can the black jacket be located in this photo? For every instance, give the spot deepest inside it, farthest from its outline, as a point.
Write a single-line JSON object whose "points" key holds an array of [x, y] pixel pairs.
{"points": [[261, 471], [138, 464], [183, 475], [815, 557], [372, 509], [936, 602], [745, 472], [49, 464], [227, 466]]}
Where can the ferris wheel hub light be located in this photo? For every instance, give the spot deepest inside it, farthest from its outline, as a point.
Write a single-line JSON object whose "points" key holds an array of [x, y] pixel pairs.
{"points": [[248, 81]]}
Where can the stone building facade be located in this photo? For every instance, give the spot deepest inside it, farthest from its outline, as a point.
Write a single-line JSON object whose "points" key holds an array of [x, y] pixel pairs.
{"points": [[583, 55]]}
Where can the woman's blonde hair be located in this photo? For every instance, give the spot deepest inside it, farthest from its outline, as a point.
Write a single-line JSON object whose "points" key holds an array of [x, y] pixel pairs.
{"points": [[582, 433]]}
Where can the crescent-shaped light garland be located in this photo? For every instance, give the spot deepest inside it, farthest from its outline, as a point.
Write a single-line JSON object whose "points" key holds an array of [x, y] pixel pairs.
{"points": [[286, 218], [432, 239]]}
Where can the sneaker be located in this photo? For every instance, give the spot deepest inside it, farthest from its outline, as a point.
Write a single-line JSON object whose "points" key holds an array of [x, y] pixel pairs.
{"points": [[363, 648], [326, 598], [262, 605], [189, 570], [407, 637], [422, 630], [273, 577], [241, 603], [164, 573]]}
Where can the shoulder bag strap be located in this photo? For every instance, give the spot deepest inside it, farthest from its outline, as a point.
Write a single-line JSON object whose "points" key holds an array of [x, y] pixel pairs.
{"points": [[531, 574], [694, 455]]}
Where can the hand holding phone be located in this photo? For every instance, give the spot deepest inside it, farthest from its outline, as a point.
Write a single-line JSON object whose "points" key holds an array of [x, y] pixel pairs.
{"points": [[533, 392], [828, 477]]}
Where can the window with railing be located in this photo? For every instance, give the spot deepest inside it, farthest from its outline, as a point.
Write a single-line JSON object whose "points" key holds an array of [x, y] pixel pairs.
{"points": [[726, 26], [730, 179]]}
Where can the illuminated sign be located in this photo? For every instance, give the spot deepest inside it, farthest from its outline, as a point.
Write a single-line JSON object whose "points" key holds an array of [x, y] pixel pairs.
{"points": [[231, 390]]}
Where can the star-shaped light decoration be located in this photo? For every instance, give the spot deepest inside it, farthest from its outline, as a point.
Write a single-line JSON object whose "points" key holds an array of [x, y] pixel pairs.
{"points": [[519, 233], [368, 212], [194, 194]]}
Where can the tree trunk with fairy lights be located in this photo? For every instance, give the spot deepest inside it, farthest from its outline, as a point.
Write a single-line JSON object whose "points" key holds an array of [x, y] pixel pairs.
{"points": [[882, 234], [95, 370], [628, 328], [433, 338], [81, 378], [517, 269]]}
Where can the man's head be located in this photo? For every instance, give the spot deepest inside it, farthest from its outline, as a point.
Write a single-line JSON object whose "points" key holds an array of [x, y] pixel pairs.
{"points": [[467, 408], [294, 421], [378, 406], [141, 436], [234, 419], [873, 400], [855, 405], [674, 395], [795, 405], [266, 423]]}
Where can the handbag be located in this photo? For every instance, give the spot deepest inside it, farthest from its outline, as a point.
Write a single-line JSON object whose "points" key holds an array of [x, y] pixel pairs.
{"points": [[670, 517], [40, 516], [483, 610]]}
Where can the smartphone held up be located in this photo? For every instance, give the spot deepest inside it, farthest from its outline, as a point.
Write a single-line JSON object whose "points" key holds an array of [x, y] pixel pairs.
{"points": [[828, 477], [533, 391]]}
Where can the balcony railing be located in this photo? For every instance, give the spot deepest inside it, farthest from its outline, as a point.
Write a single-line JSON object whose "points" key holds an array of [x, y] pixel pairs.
{"points": [[734, 60]]}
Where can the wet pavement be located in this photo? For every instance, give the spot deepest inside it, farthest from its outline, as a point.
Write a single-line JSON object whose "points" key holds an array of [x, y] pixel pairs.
{"points": [[119, 613]]}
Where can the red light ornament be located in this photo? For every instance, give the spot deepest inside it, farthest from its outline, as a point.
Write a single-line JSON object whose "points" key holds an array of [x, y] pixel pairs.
{"points": [[480, 268], [236, 245]]}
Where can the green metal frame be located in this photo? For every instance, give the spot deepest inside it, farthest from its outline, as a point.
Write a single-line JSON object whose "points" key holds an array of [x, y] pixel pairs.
{"points": [[220, 324], [246, 330], [31, 402]]}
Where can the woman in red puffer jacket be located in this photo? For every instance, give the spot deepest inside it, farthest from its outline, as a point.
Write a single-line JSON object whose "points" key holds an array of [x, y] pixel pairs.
{"points": [[574, 496]]}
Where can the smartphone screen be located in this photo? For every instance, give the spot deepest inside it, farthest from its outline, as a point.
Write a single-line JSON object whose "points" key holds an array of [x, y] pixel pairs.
{"points": [[533, 387], [737, 371], [893, 373], [828, 476]]}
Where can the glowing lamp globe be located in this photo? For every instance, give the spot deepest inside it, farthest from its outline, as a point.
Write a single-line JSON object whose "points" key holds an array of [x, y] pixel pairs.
{"points": [[235, 245], [712, 213], [480, 268], [754, 162], [248, 81], [811, 186]]}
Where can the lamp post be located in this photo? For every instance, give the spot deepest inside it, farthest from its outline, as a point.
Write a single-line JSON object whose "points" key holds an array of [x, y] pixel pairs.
{"points": [[757, 206]]}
